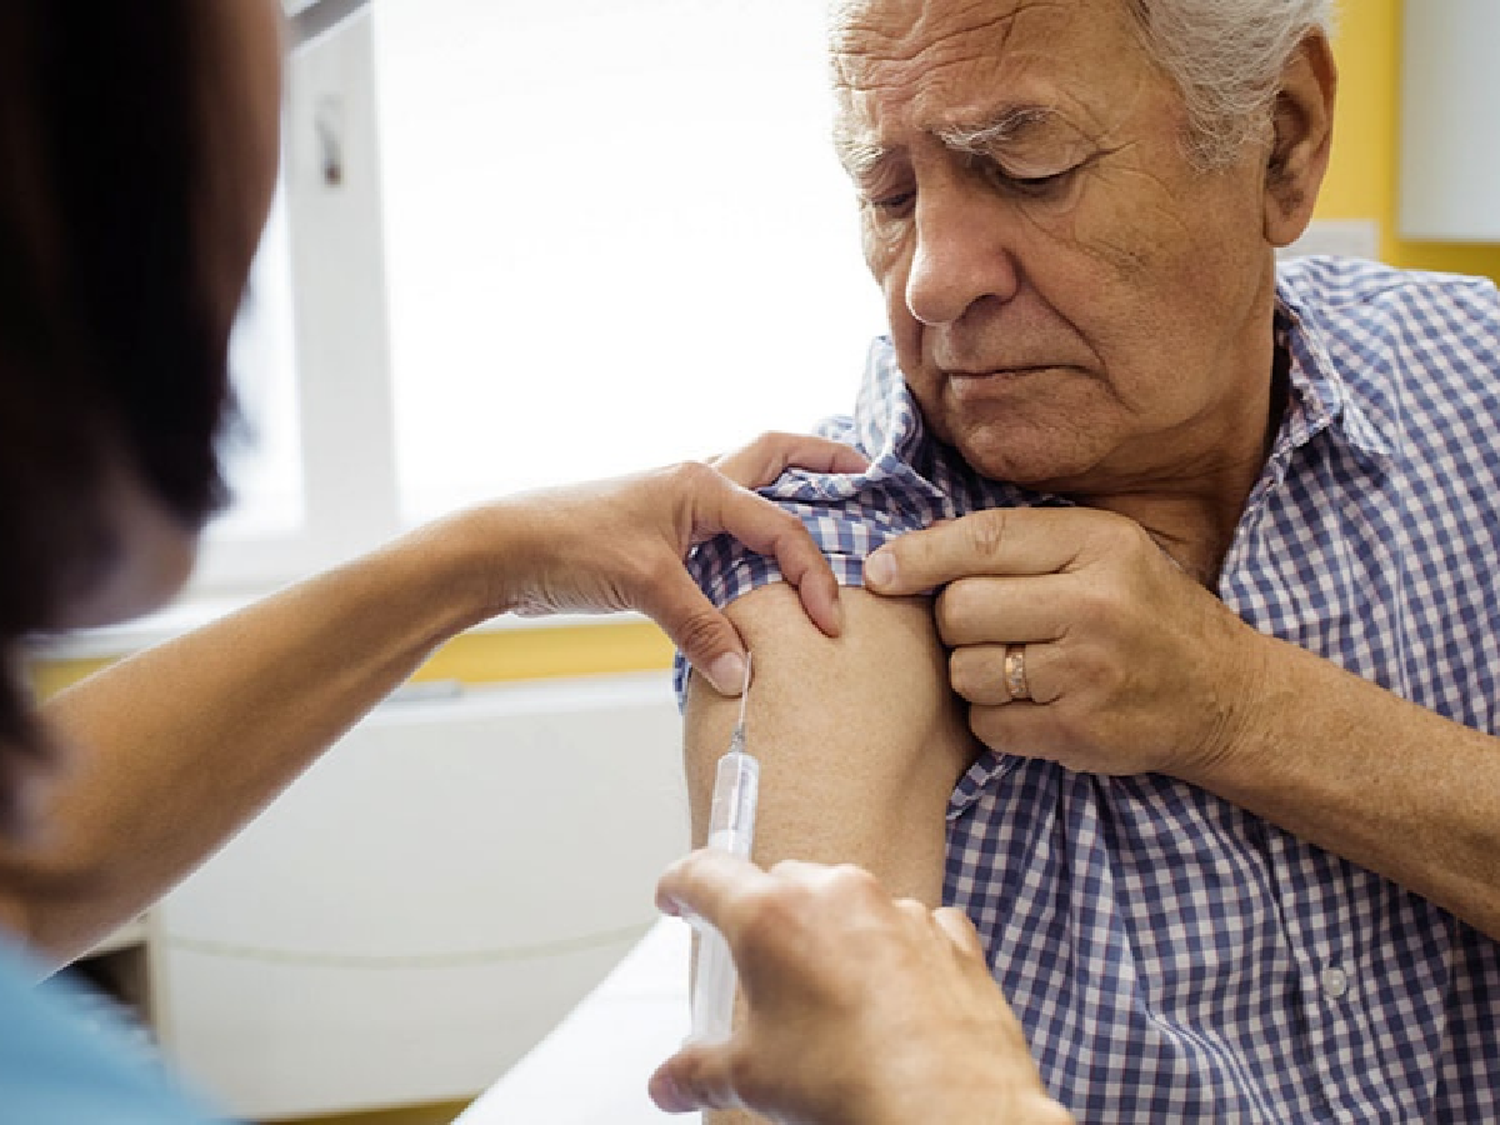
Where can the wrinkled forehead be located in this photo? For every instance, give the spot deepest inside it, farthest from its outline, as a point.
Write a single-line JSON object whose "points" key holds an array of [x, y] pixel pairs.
{"points": [[940, 62]]}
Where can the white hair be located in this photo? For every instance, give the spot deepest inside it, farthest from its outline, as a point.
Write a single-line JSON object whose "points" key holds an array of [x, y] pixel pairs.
{"points": [[1226, 57]]}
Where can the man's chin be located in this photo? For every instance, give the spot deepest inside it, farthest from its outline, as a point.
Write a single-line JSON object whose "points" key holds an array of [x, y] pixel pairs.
{"points": [[1025, 459]]}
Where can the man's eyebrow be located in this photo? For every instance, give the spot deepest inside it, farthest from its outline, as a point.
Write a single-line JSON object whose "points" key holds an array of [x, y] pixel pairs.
{"points": [[1006, 126], [861, 157]]}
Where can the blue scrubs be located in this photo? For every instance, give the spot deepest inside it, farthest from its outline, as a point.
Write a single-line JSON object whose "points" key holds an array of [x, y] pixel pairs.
{"points": [[67, 1059]]}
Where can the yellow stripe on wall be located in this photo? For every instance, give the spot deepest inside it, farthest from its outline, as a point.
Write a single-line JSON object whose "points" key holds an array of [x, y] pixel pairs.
{"points": [[493, 656], [524, 654], [49, 677]]}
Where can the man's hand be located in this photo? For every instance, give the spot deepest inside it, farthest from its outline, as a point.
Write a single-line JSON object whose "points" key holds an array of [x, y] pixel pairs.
{"points": [[856, 1007], [1075, 638], [619, 544]]}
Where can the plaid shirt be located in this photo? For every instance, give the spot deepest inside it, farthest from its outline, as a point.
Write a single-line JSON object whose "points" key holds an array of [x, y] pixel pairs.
{"points": [[1171, 956]]}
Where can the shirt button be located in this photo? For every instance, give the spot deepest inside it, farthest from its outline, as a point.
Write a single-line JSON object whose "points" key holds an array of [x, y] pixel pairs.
{"points": [[1335, 982]]}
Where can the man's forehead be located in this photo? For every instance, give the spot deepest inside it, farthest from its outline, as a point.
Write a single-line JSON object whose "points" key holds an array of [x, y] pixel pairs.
{"points": [[890, 43], [1001, 67], [893, 31]]}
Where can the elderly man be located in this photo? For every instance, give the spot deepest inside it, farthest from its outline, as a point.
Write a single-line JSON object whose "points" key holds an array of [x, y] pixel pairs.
{"points": [[1199, 728]]}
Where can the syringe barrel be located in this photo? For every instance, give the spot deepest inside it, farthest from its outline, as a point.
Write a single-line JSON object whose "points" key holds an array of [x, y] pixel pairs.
{"points": [[713, 988], [731, 829], [731, 822]]}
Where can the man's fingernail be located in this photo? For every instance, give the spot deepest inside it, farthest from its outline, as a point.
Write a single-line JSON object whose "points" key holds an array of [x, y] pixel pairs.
{"points": [[727, 674], [880, 569]]}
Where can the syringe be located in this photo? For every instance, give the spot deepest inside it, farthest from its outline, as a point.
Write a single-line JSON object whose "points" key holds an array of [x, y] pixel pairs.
{"points": [[731, 828]]}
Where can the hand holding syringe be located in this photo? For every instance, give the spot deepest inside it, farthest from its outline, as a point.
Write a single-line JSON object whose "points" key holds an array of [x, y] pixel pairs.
{"points": [[731, 828]]}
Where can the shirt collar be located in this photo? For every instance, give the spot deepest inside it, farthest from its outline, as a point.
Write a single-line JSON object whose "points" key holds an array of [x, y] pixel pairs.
{"points": [[1320, 398]]}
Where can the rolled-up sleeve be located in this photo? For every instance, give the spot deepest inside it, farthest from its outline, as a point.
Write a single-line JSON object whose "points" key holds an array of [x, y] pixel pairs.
{"points": [[848, 515]]}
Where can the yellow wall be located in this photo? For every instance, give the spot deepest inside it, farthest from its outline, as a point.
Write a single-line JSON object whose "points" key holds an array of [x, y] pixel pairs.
{"points": [[1362, 180]]}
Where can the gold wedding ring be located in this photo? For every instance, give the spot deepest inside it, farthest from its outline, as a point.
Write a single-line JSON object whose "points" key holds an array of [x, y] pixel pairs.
{"points": [[1015, 673]]}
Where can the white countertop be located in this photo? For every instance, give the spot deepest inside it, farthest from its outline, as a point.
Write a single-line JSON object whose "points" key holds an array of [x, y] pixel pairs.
{"points": [[593, 1068]]}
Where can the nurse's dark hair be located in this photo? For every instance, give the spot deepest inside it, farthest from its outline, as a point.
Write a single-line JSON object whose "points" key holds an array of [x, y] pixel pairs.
{"points": [[112, 356]]}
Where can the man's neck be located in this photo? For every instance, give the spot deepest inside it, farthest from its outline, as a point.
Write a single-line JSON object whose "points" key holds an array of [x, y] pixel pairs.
{"points": [[1194, 516], [1195, 530]]}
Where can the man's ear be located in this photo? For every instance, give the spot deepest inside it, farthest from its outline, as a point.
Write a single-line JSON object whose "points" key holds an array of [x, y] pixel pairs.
{"points": [[1302, 124]]}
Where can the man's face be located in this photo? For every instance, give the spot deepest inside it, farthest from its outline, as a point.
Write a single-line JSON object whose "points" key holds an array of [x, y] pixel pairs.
{"points": [[1074, 305]]}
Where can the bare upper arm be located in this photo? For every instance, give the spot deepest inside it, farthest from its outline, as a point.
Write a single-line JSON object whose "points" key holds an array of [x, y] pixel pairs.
{"points": [[859, 738]]}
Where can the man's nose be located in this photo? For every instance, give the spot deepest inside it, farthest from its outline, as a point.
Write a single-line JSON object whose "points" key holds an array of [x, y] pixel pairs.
{"points": [[963, 252]]}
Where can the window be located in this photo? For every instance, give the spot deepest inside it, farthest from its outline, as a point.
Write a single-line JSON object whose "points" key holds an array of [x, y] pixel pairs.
{"points": [[263, 458], [533, 243], [616, 235]]}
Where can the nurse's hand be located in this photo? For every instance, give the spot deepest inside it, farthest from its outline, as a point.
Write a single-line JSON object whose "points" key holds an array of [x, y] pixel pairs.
{"points": [[619, 544], [855, 1007]]}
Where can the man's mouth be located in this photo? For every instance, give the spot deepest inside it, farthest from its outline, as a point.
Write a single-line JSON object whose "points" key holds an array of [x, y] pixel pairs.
{"points": [[980, 383], [1000, 372]]}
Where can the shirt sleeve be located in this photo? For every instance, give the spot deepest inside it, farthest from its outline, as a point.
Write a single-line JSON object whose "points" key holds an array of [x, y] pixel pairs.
{"points": [[848, 515]]}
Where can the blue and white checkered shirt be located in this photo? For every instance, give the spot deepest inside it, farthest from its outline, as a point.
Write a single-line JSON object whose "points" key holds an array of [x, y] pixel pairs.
{"points": [[1173, 957]]}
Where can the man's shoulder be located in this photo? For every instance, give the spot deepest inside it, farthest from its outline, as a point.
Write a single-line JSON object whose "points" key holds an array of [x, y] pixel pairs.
{"points": [[1354, 294]]}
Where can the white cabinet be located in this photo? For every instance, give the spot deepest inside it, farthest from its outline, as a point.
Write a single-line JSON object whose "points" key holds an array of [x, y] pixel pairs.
{"points": [[426, 903]]}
